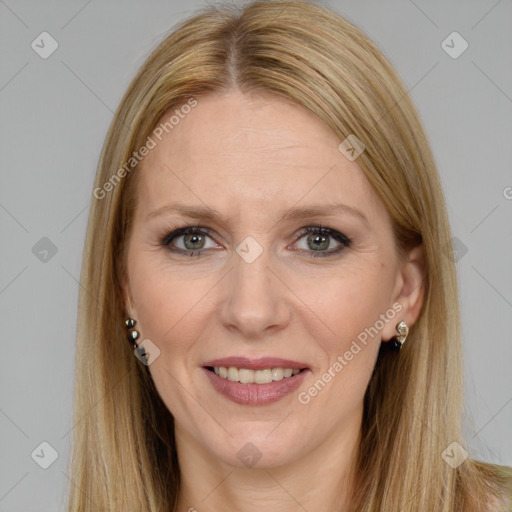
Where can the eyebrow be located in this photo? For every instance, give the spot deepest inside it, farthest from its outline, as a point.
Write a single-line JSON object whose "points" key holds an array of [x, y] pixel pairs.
{"points": [[207, 213]]}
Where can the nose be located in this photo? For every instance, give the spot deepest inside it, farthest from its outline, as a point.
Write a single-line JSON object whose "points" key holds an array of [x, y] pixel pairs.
{"points": [[256, 302]]}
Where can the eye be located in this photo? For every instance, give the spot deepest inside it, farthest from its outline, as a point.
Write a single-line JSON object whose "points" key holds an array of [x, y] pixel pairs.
{"points": [[319, 239], [190, 238]]}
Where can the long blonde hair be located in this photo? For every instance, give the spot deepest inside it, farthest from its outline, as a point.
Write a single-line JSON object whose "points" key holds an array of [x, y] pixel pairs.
{"points": [[123, 453]]}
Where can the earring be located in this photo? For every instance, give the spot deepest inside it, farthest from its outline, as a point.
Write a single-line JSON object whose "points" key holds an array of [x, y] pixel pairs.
{"points": [[398, 341], [133, 335]]}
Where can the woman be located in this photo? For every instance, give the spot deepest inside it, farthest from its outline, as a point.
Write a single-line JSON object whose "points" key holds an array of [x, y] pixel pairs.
{"points": [[265, 232]]}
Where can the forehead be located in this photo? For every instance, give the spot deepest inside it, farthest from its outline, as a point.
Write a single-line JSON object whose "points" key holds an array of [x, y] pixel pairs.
{"points": [[240, 152]]}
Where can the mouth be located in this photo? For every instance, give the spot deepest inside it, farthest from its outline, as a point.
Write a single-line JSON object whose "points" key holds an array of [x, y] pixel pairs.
{"points": [[255, 381], [249, 376]]}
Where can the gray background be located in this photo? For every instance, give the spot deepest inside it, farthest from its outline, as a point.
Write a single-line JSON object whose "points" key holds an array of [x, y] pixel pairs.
{"points": [[55, 113]]}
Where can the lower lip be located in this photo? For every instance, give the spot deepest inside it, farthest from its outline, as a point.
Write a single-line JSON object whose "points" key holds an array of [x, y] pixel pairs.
{"points": [[256, 394]]}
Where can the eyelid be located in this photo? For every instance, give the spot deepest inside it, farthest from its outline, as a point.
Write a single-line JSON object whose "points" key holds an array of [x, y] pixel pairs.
{"points": [[176, 232], [343, 241]]}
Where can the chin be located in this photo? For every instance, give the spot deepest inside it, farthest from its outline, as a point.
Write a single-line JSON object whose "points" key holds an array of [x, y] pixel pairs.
{"points": [[258, 448]]}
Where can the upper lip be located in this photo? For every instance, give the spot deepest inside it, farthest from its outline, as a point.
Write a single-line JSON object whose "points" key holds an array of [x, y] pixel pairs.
{"points": [[256, 364]]}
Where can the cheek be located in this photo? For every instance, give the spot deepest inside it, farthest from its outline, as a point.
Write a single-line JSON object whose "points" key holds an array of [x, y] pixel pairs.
{"points": [[345, 304], [346, 313], [345, 321], [170, 311], [165, 301]]}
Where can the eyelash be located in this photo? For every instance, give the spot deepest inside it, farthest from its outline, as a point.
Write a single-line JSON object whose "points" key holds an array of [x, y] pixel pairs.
{"points": [[315, 229]]}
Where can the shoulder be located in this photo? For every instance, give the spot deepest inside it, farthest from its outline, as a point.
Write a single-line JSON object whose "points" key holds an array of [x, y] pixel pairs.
{"points": [[501, 499], [506, 472]]}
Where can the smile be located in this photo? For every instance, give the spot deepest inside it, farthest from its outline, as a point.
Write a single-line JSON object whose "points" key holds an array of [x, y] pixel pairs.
{"points": [[248, 376], [249, 392]]}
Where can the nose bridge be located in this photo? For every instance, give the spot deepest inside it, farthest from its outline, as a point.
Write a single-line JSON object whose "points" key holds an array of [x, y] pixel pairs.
{"points": [[256, 301], [251, 269]]}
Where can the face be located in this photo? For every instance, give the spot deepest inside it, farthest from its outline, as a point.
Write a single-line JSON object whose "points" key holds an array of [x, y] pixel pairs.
{"points": [[265, 286]]}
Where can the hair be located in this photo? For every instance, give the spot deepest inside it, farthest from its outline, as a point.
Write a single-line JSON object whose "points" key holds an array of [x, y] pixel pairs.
{"points": [[123, 452]]}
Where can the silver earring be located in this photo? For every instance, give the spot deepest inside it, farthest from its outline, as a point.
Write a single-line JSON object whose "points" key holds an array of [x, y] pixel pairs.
{"points": [[399, 340], [133, 335]]}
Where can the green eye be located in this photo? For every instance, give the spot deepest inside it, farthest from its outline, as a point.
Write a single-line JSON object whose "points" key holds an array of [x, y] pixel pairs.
{"points": [[194, 239], [318, 238]]}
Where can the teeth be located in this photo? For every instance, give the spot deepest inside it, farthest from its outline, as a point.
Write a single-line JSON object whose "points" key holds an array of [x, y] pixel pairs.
{"points": [[246, 376]]}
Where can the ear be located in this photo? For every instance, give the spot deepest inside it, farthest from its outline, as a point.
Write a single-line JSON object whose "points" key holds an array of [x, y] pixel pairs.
{"points": [[409, 291]]}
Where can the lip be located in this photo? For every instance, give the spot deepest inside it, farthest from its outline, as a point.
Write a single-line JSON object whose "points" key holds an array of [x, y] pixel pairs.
{"points": [[257, 364], [256, 394]]}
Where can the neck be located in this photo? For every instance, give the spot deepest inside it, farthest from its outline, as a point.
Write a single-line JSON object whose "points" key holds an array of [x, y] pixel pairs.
{"points": [[320, 481]]}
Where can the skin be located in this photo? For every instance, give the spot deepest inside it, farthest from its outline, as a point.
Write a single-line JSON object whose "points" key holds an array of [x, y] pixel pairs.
{"points": [[253, 158]]}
